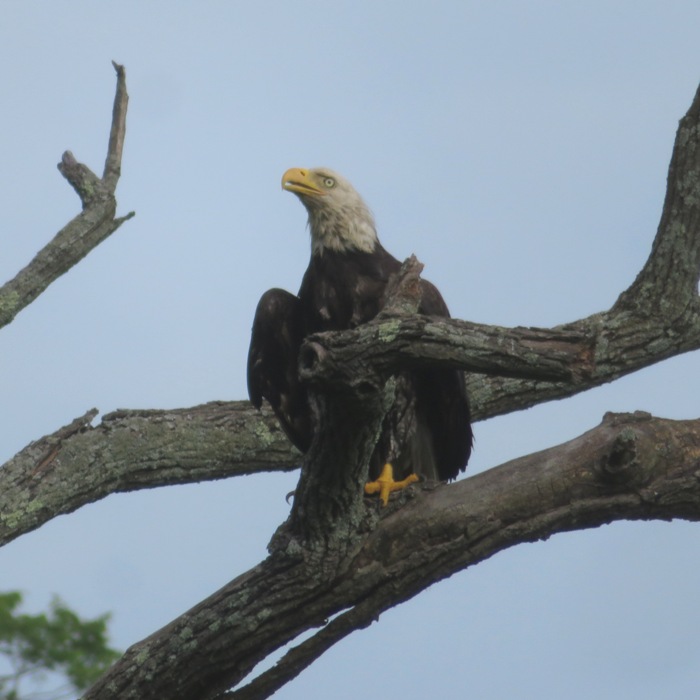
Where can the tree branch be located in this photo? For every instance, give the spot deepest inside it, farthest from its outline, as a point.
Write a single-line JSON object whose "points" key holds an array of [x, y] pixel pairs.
{"points": [[113, 162], [328, 508], [87, 230], [131, 450], [422, 341], [668, 283], [630, 467]]}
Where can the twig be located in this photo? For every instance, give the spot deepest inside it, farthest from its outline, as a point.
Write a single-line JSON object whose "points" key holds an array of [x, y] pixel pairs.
{"points": [[113, 162]]}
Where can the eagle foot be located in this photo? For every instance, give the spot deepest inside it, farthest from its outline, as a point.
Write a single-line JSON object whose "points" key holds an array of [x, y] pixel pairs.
{"points": [[385, 484]]}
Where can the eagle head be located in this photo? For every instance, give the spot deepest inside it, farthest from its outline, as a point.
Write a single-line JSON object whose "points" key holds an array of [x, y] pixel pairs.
{"points": [[339, 220]]}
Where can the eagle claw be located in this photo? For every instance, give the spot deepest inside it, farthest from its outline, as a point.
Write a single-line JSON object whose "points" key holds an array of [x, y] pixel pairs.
{"points": [[385, 484]]}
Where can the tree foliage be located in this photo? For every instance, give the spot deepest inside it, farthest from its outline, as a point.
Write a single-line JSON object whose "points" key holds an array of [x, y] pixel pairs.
{"points": [[42, 648]]}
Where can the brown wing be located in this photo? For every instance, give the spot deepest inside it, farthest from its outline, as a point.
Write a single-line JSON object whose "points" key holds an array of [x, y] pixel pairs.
{"points": [[442, 404], [272, 364]]}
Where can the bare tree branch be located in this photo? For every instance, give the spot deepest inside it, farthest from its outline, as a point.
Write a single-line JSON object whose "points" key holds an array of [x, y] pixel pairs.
{"points": [[630, 467], [113, 162], [668, 283], [87, 230], [130, 450], [657, 316]]}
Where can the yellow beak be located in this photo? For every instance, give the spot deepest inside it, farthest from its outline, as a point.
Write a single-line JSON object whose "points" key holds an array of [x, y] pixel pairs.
{"points": [[300, 181]]}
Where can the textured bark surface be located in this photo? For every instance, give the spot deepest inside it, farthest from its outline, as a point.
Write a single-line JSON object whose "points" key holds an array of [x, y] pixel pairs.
{"points": [[130, 450], [339, 554], [631, 467]]}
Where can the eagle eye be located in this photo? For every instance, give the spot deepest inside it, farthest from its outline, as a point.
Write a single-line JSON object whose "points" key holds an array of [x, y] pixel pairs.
{"points": [[329, 182]]}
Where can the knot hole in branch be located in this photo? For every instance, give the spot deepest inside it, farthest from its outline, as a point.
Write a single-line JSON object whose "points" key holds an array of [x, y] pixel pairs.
{"points": [[621, 464]]}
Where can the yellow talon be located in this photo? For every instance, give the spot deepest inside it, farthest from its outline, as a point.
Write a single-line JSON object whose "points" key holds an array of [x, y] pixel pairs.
{"points": [[385, 484]]}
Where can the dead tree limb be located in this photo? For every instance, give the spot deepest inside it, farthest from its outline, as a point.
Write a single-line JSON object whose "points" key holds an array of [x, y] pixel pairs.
{"points": [[631, 467], [87, 230], [131, 450]]}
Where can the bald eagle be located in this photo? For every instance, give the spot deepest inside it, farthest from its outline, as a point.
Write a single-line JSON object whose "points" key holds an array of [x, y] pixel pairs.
{"points": [[427, 431]]}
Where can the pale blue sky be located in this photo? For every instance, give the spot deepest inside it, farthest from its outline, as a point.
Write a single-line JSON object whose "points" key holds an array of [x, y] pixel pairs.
{"points": [[519, 149]]}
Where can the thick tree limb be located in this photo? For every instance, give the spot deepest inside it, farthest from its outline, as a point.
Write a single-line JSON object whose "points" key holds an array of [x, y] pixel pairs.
{"points": [[328, 502], [130, 450], [414, 341], [87, 230], [630, 467]]}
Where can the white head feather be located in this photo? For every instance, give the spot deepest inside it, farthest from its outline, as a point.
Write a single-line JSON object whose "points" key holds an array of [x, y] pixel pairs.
{"points": [[339, 220]]}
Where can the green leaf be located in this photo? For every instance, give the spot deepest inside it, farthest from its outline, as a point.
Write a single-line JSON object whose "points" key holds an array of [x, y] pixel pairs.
{"points": [[58, 641]]}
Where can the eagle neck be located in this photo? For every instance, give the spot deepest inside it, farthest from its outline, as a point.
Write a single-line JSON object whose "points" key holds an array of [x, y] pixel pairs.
{"points": [[341, 231]]}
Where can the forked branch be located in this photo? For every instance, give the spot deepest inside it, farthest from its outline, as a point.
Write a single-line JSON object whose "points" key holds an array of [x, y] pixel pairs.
{"points": [[631, 467], [87, 230]]}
